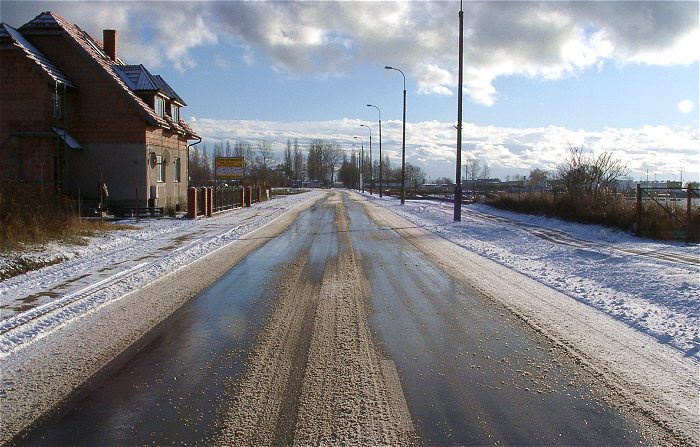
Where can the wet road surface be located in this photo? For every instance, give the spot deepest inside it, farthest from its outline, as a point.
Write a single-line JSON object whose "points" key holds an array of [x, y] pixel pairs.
{"points": [[471, 374], [168, 390]]}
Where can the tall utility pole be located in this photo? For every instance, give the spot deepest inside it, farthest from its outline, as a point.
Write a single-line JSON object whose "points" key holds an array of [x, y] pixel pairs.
{"points": [[403, 144], [380, 148], [458, 174]]}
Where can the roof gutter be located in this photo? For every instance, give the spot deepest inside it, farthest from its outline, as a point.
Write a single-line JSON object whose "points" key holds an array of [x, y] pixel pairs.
{"points": [[199, 140]]}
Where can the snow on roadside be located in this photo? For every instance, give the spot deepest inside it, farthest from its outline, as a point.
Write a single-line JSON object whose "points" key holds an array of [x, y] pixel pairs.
{"points": [[109, 266], [609, 270]]}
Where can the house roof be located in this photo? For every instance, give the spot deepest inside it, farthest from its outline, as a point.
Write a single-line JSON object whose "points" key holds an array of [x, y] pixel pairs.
{"points": [[165, 87], [137, 77], [44, 64], [124, 76]]}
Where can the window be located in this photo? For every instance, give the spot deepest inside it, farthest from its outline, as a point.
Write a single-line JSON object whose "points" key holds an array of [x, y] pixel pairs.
{"points": [[160, 169], [175, 113], [176, 170], [159, 105]]}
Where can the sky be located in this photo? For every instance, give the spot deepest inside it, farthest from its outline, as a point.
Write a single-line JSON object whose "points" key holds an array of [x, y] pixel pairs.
{"points": [[539, 77]]}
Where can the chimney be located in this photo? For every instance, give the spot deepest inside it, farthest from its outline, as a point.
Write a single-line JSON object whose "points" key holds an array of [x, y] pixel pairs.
{"points": [[109, 36]]}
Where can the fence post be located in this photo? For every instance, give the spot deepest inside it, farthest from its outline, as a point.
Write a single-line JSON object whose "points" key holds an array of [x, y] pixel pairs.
{"points": [[209, 200], [191, 202], [205, 201], [689, 216], [638, 229]]}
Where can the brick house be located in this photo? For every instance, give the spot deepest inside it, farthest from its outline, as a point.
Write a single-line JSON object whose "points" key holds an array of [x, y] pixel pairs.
{"points": [[74, 115]]}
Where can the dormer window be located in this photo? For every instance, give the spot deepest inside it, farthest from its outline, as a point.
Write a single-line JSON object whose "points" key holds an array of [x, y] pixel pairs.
{"points": [[175, 112], [159, 106]]}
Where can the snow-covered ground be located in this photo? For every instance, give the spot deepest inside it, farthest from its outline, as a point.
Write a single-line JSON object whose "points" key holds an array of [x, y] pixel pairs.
{"points": [[653, 287], [35, 303]]}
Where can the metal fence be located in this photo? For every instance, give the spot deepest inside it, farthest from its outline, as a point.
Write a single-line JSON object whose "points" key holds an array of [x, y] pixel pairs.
{"points": [[680, 205], [226, 198]]}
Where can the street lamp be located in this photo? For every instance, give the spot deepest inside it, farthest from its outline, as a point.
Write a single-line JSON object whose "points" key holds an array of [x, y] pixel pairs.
{"points": [[362, 164], [371, 167], [403, 147], [458, 173], [380, 148]]}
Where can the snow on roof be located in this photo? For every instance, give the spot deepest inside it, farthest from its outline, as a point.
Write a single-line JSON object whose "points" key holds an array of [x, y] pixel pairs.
{"points": [[34, 54]]}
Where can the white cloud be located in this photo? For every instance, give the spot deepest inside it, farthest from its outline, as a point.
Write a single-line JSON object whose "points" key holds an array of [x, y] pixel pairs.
{"points": [[546, 40], [432, 144], [686, 106]]}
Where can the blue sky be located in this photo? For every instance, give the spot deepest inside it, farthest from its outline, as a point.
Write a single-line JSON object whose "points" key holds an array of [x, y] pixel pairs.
{"points": [[616, 76]]}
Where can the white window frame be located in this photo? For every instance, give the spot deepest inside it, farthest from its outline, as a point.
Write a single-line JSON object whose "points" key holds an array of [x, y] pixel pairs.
{"points": [[159, 105], [176, 170], [175, 113], [160, 169]]}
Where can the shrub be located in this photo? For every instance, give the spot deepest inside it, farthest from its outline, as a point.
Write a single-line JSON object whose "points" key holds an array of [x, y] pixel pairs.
{"points": [[36, 214], [607, 208]]}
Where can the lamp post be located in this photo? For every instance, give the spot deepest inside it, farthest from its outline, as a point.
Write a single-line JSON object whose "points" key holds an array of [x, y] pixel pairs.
{"points": [[403, 146], [380, 148], [458, 174], [362, 163], [371, 167]]}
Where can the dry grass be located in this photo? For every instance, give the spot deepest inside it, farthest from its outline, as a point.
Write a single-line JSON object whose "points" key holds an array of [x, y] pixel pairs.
{"points": [[32, 214], [607, 209]]}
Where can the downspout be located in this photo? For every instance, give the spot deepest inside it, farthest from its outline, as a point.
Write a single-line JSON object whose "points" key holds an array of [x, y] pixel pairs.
{"points": [[64, 112], [199, 140], [58, 179]]}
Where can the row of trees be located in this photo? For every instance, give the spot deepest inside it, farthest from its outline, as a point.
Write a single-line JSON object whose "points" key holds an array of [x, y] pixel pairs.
{"points": [[349, 172], [324, 162], [581, 173]]}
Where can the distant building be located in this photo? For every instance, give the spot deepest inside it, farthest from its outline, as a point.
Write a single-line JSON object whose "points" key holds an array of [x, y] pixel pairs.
{"points": [[74, 115]]}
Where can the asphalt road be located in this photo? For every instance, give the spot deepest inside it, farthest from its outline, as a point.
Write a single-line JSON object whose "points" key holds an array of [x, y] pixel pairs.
{"points": [[470, 373]]}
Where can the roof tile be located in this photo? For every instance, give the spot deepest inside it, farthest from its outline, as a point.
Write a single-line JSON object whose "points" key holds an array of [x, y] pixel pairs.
{"points": [[48, 67]]}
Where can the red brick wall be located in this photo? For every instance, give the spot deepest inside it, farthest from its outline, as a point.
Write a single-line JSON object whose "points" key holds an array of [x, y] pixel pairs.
{"points": [[25, 106], [104, 113], [161, 141]]}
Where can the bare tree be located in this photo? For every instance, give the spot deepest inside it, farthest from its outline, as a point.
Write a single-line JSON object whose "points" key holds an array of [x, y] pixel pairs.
{"points": [[537, 178], [245, 151], [472, 168], [298, 162], [288, 167], [485, 171], [414, 175], [584, 173], [332, 155], [324, 156], [200, 168], [264, 162]]}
